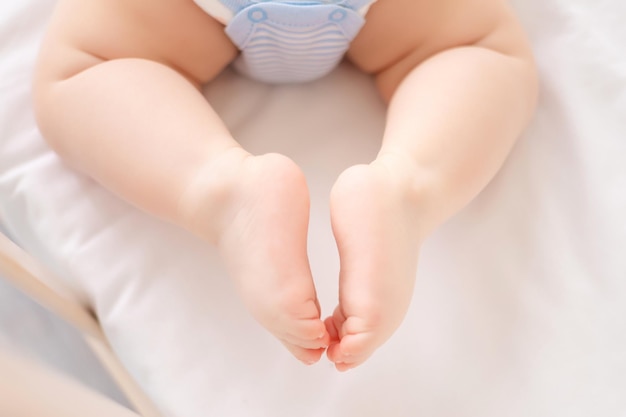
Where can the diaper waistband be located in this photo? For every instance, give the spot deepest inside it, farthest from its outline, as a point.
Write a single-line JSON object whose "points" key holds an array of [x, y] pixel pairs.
{"points": [[224, 10]]}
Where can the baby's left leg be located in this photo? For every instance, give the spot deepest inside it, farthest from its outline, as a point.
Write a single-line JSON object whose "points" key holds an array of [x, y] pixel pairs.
{"points": [[462, 85]]}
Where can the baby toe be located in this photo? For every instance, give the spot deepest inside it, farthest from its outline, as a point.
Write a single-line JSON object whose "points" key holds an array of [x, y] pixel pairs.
{"points": [[318, 343], [306, 356], [308, 329], [333, 333], [353, 350]]}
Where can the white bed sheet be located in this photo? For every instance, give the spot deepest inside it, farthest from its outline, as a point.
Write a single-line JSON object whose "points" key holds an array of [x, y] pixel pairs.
{"points": [[520, 306]]}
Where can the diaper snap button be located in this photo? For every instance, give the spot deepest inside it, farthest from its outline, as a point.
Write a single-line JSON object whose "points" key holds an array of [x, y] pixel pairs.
{"points": [[257, 15], [337, 15]]}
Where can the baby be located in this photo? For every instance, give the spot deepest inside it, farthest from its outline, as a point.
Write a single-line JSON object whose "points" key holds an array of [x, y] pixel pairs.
{"points": [[118, 95]]}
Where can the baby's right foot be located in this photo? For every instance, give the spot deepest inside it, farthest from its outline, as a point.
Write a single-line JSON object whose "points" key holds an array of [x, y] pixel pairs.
{"points": [[256, 210]]}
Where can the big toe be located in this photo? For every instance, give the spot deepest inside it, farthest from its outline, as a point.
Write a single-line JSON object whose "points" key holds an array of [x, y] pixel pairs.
{"points": [[353, 350]]}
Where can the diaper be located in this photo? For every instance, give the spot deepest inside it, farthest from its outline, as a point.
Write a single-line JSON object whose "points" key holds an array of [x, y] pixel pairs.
{"points": [[289, 41]]}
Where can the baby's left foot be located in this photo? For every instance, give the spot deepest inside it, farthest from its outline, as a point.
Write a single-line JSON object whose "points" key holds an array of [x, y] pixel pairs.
{"points": [[375, 214]]}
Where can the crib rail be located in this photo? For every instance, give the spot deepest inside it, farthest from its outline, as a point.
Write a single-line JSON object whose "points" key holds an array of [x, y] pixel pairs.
{"points": [[33, 279]]}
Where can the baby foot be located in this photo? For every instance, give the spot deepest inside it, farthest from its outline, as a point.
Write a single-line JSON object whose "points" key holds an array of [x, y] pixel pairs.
{"points": [[258, 217], [374, 217]]}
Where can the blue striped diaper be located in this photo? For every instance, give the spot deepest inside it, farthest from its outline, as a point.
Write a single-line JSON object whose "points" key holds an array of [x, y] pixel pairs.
{"points": [[289, 41]]}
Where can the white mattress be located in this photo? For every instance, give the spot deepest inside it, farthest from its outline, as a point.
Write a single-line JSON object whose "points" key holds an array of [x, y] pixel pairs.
{"points": [[520, 306]]}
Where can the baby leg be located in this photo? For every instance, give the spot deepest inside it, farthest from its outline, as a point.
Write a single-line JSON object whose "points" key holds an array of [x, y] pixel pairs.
{"points": [[455, 113], [144, 131]]}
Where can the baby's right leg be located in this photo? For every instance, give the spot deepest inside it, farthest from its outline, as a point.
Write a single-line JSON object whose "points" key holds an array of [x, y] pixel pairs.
{"points": [[116, 94]]}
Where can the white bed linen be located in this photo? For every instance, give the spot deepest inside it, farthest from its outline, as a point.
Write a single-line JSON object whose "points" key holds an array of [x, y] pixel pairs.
{"points": [[520, 305]]}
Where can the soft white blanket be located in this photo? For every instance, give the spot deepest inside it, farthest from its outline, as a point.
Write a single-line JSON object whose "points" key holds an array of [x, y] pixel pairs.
{"points": [[520, 306]]}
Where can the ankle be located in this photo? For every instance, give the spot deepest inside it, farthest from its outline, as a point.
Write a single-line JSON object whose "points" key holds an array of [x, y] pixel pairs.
{"points": [[210, 193], [415, 186]]}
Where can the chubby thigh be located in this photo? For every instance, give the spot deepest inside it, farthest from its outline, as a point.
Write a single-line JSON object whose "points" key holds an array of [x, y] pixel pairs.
{"points": [[179, 34], [176, 33], [400, 34]]}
